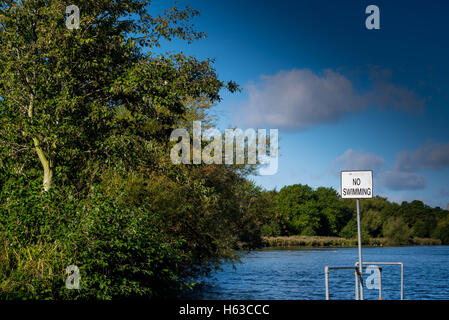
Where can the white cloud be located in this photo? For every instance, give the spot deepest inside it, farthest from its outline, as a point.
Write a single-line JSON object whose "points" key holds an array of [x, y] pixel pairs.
{"points": [[403, 177], [357, 160], [392, 179], [298, 99], [429, 157], [397, 180]]}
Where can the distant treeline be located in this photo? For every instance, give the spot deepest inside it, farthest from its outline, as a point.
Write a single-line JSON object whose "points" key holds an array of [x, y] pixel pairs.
{"points": [[300, 210]]}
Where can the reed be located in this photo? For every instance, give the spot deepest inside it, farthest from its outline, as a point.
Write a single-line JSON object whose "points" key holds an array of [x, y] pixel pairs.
{"points": [[319, 241], [27, 271]]}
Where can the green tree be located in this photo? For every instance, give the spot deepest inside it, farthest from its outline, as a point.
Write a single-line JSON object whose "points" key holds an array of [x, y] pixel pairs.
{"points": [[289, 204], [74, 98], [396, 231], [336, 214], [311, 212], [87, 114], [372, 223], [442, 230]]}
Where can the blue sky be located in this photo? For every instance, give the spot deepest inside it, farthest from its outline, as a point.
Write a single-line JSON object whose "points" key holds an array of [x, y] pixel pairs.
{"points": [[342, 96]]}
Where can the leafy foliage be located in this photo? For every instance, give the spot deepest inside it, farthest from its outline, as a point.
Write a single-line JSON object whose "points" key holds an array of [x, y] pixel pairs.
{"points": [[305, 211], [300, 210], [91, 111], [85, 174]]}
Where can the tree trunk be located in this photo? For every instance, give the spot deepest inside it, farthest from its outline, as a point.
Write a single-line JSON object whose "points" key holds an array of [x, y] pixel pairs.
{"points": [[46, 164]]}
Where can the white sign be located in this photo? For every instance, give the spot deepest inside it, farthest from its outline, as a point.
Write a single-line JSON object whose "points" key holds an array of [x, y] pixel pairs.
{"points": [[357, 184]]}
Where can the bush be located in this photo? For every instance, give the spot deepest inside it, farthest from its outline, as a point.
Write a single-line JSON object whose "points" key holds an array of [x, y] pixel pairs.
{"points": [[131, 234], [442, 230], [34, 271], [350, 230], [396, 231], [122, 251], [271, 229]]}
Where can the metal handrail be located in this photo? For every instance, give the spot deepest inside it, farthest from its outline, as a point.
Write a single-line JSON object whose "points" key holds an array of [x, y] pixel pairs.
{"points": [[326, 277], [390, 263], [357, 275]]}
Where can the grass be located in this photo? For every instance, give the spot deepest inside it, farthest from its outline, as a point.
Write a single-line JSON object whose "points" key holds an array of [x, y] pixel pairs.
{"points": [[27, 271], [315, 241]]}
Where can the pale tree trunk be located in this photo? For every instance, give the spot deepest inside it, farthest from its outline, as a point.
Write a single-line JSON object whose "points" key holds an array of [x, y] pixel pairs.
{"points": [[46, 163]]}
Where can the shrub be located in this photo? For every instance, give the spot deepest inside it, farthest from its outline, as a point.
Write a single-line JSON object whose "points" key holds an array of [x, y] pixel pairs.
{"points": [[396, 231], [272, 229], [442, 230], [34, 271], [121, 251]]}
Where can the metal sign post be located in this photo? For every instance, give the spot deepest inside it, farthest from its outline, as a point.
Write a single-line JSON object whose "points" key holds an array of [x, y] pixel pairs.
{"points": [[357, 185], [359, 234]]}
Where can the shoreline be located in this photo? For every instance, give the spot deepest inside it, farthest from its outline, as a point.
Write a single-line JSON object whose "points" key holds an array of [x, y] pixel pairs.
{"points": [[337, 242]]}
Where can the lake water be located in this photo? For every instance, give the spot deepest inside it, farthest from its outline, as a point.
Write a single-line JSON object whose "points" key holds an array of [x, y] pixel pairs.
{"points": [[285, 274]]}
